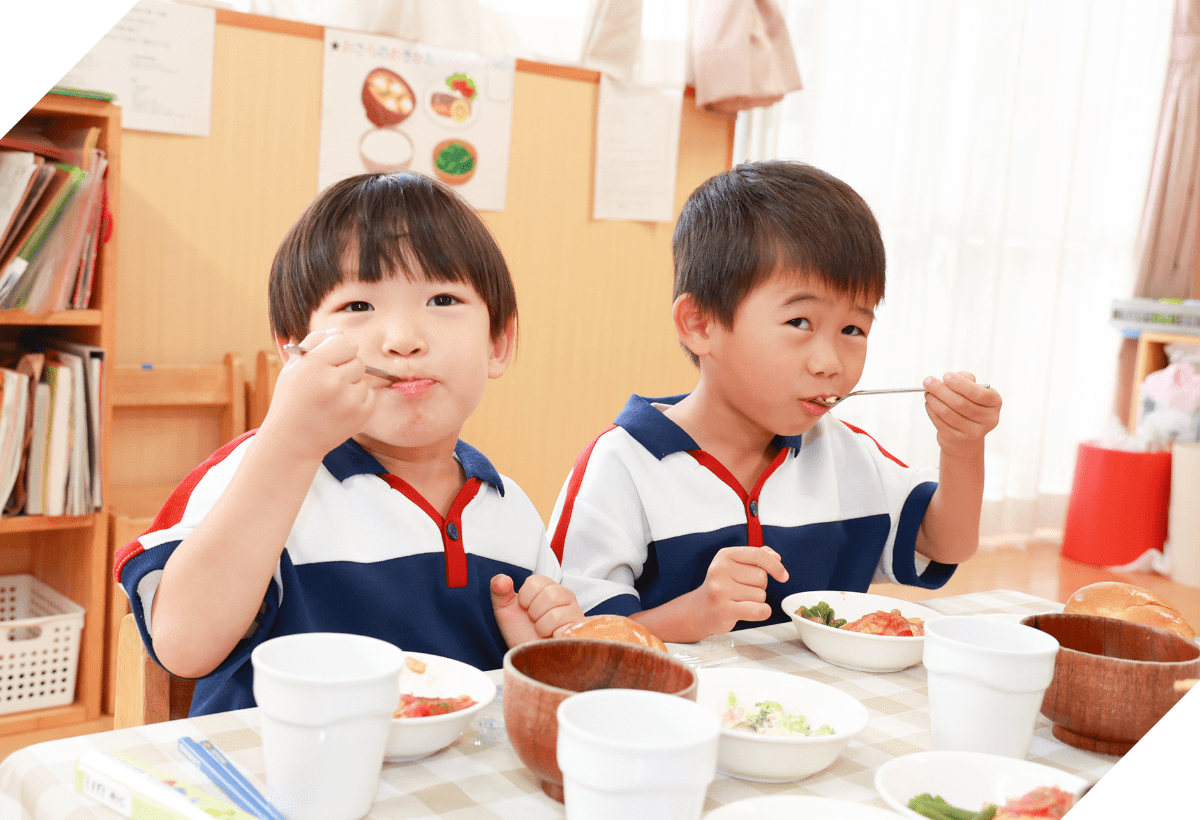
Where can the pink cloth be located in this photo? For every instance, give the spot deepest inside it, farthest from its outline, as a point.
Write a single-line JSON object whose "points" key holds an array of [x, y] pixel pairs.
{"points": [[1176, 386], [742, 55]]}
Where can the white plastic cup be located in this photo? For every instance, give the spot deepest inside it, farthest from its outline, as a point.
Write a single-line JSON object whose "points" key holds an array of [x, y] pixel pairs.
{"points": [[633, 754], [326, 701], [986, 683]]}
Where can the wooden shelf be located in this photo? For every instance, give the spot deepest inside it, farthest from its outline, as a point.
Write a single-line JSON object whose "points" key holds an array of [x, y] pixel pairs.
{"points": [[1150, 357], [60, 318], [70, 553]]}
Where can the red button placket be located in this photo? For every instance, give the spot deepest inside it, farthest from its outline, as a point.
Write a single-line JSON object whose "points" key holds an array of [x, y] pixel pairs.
{"points": [[450, 527], [754, 531]]}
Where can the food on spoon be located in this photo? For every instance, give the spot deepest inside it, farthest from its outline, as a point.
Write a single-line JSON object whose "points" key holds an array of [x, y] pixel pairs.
{"points": [[767, 717], [614, 628], [1116, 599], [412, 706], [1042, 803], [892, 624]]}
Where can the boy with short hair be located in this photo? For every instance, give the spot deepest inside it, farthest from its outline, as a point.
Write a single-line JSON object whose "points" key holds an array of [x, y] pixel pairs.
{"points": [[355, 507], [695, 513]]}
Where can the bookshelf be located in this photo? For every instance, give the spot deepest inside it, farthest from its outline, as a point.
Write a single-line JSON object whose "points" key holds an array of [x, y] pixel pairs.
{"points": [[70, 553]]}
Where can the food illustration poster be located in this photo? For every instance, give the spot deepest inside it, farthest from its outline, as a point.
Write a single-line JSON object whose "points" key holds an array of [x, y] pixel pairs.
{"points": [[389, 105]]}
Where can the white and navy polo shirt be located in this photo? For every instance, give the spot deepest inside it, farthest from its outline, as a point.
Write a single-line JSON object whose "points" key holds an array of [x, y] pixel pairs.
{"points": [[367, 554], [645, 511]]}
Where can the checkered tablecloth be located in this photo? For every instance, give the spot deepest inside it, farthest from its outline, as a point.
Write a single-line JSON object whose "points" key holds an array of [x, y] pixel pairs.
{"points": [[480, 776]]}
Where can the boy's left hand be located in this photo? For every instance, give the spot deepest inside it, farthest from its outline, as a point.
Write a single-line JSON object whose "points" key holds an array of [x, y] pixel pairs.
{"points": [[962, 411], [542, 608]]}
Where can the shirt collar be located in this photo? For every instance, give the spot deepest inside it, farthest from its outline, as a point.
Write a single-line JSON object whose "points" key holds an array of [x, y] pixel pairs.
{"points": [[350, 459], [651, 428]]}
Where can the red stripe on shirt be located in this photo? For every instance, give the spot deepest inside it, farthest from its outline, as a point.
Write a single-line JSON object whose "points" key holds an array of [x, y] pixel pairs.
{"points": [[877, 444], [754, 534], [564, 519], [172, 511]]}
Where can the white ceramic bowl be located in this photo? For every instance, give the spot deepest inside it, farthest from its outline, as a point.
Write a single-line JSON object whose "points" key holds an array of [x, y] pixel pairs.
{"points": [[967, 780], [792, 806], [417, 737], [855, 650], [780, 759]]}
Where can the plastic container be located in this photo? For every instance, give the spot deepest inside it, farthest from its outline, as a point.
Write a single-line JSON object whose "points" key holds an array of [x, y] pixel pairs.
{"points": [[1119, 505], [39, 654]]}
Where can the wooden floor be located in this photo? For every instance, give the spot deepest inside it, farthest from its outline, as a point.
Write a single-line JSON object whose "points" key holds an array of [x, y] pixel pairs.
{"points": [[1037, 569]]}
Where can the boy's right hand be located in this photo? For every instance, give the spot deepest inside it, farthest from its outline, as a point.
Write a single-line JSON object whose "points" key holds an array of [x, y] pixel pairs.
{"points": [[321, 397], [735, 587]]}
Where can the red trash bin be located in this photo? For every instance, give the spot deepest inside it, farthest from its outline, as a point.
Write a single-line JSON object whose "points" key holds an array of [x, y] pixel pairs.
{"points": [[1119, 505]]}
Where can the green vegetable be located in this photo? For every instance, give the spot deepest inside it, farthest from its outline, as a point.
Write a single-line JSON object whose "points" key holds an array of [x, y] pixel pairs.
{"points": [[823, 613], [455, 160], [937, 808]]}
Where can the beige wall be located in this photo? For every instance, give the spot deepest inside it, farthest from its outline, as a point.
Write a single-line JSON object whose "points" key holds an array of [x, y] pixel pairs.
{"points": [[201, 218]]}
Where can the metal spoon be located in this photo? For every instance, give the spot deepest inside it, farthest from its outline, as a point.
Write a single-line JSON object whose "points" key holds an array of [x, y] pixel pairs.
{"points": [[836, 400], [371, 371]]}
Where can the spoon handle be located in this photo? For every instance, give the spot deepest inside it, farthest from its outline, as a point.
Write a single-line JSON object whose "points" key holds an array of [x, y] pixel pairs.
{"points": [[893, 390], [371, 371]]}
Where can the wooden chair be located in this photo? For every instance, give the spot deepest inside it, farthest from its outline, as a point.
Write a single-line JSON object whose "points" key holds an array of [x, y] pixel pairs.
{"points": [[133, 506], [259, 391], [145, 692]]}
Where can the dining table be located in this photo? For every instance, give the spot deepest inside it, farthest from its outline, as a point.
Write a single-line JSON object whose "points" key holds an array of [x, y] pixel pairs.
{"points": [[481, 776]]}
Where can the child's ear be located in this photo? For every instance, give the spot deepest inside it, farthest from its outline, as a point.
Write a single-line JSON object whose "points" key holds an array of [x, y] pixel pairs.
{"points": [[691, 325], [503, 348]]}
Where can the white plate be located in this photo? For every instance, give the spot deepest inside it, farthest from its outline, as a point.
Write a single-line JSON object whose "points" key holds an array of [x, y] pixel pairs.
{"points": [[418, 737], [855, 650], [968, 780], [794, 806], [780, 759]]}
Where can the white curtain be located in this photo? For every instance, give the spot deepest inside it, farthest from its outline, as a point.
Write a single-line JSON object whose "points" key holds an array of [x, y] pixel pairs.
{"points": [[1005, 147]]}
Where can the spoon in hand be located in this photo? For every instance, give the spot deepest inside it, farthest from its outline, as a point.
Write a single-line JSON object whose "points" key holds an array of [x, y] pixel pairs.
{"points": [[371, 371], [833, 401]]}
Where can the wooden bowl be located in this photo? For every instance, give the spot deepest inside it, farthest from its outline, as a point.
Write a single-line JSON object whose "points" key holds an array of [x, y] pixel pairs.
{"points": [[1113, 679], [540, 675]]}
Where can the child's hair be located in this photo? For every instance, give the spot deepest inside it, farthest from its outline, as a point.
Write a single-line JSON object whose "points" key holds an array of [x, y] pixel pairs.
{"points": [[403, 224], [740, 227]]}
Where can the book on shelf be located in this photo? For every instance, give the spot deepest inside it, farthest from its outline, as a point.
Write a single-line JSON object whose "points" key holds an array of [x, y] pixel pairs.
{"points": [[53, 210], [57, 434]]}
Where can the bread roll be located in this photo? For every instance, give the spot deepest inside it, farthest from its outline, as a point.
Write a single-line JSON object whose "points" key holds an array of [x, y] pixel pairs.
{"points": [[1116, 599], [614, 628]]}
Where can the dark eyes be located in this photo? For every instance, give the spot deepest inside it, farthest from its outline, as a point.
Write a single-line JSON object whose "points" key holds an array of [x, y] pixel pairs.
{"points": [[848, 330], [443, 300], [358, 307]]}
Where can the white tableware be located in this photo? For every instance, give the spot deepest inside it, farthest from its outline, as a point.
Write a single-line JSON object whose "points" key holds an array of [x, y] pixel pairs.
{"points": [[986, 682], [855, 650], [416, 737], [631, 754], [793, 806], [774, 758], [967, 780], [326, 701]]}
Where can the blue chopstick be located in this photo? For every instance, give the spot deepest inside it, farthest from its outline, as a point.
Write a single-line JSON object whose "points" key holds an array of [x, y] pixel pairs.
{"points": [[235, 784]]}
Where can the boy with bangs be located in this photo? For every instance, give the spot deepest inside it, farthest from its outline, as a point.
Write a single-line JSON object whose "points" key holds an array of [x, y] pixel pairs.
{"points": [[355, 507], [696, 514]]}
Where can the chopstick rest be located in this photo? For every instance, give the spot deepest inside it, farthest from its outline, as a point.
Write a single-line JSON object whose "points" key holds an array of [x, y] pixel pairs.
{"points": [[235, 784]]}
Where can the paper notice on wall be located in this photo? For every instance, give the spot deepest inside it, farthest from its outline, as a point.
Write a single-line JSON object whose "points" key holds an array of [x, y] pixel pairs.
{"points": [[158, 61], [388, 105], [637, 152]]}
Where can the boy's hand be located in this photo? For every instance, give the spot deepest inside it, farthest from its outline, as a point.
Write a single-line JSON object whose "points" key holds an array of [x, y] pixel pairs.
{"points": [[542, 609], [735, 587], [962, 411], [321, 398]]}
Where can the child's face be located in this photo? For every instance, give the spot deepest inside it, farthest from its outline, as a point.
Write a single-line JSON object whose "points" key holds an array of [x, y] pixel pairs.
{"points": [[436, 336], [793, 339]]}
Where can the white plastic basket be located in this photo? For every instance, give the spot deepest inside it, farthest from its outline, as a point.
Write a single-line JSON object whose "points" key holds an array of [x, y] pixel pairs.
{"points": [[39, 650]]}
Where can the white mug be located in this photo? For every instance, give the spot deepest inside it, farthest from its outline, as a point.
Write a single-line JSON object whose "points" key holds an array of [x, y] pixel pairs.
{"points": [[986, 683], [633, 754], [326, 702]]}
